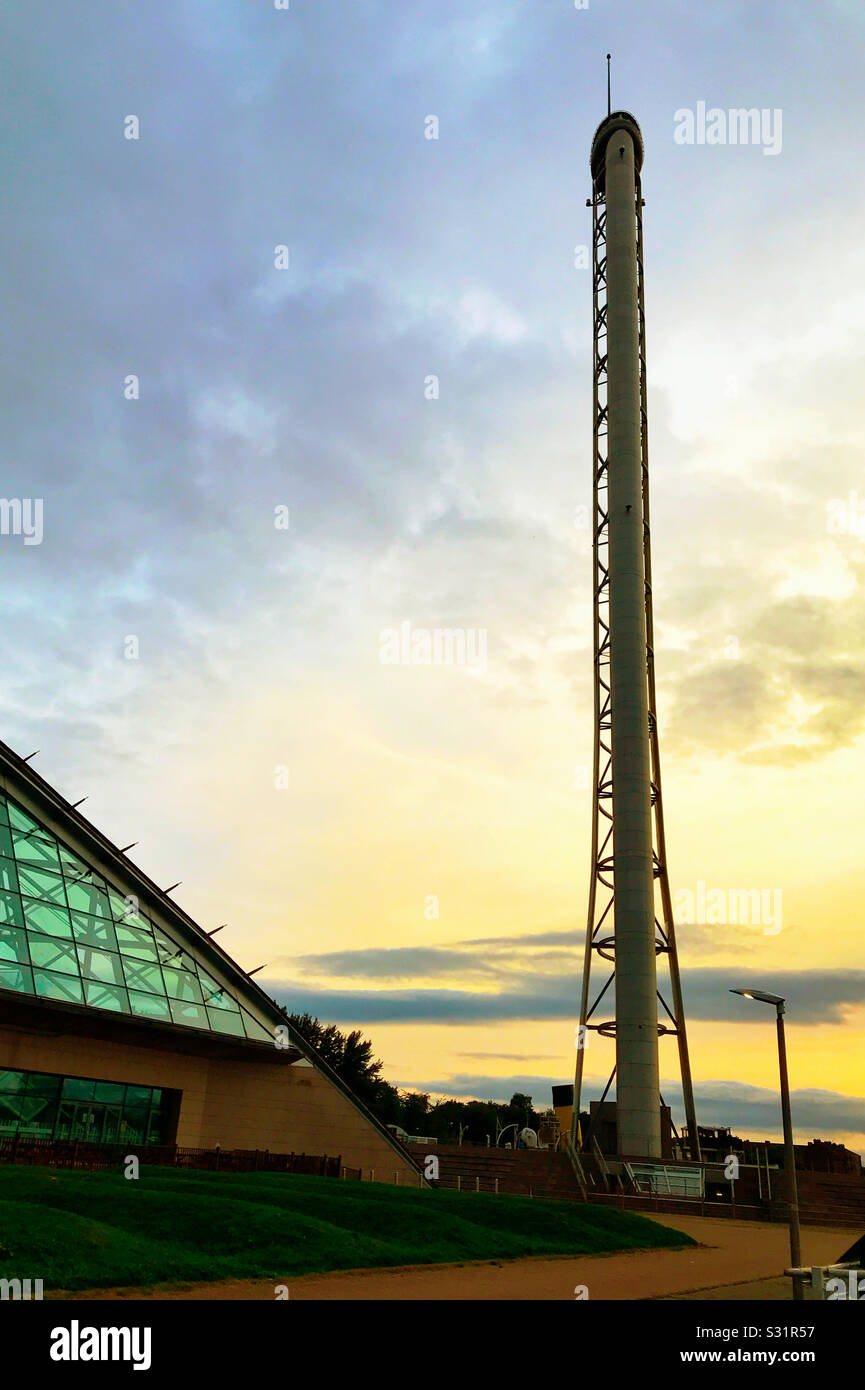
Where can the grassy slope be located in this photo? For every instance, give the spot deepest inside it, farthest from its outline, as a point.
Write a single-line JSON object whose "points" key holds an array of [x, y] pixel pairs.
{"points": [[77, 1230]]}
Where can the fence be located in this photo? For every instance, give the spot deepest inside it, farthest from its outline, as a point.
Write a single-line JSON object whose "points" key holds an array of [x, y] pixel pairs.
{"points": [[73, 1153]]}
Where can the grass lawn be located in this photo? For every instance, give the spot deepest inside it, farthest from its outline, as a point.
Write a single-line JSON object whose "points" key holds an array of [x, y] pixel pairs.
{"points": [[78, 1230]]}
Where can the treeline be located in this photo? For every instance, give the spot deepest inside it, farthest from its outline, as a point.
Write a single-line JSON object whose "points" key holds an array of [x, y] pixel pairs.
{"points": [[351, 1057]]}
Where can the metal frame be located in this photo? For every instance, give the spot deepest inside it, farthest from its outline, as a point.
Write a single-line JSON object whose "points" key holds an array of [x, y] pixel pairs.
{"points": [[600, 932]]}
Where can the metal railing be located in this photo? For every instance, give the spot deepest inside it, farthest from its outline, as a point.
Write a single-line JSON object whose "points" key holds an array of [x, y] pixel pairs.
{"points": [[830, 1283], [75, 1153]]}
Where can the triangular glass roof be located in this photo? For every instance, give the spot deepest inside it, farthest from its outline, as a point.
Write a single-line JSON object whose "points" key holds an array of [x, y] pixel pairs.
{"points": [[67, 933]]}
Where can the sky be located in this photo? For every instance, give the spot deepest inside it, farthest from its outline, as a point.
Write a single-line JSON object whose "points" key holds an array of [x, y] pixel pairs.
{"points": [[298, 385]]}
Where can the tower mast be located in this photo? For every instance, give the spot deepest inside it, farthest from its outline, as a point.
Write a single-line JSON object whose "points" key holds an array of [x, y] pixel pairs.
{"points": [[626, 927]]}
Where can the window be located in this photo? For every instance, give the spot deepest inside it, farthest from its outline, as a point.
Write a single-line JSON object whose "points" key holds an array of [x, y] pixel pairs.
{"points": [[66, 933], [37, 1106]]}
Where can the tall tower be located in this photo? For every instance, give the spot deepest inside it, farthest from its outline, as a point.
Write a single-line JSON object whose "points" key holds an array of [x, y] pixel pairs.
{"points": [[630, 917]]}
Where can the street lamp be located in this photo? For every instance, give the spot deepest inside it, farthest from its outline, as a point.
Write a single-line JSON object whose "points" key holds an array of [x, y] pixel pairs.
{"points": [[789, 1154]]}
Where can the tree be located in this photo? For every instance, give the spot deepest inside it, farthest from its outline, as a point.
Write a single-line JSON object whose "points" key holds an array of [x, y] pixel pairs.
{"points": [[519, 1111], [415, 1112], [351, 1057]]}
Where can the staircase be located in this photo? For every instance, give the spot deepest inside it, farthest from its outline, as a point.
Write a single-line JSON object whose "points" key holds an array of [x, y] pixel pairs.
{"points": [[825, 1199], [829, 1199], [520, 1172]]}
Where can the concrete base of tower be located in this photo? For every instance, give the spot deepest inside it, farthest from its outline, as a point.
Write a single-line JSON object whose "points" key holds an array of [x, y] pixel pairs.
{"points": [[605, 1123]]}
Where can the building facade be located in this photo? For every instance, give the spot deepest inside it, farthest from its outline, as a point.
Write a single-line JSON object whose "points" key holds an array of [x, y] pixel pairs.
{"points": [[122, 1021]]}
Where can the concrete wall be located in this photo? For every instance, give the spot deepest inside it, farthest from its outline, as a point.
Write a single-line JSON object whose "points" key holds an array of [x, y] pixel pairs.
{"points": [[236, 1104]]}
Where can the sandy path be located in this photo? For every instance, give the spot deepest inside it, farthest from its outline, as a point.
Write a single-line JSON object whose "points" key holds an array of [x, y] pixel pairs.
{"points": [[730, 1252]]}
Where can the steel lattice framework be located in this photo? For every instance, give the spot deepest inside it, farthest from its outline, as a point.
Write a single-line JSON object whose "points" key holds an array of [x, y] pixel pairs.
{"points": [[600, 934]]}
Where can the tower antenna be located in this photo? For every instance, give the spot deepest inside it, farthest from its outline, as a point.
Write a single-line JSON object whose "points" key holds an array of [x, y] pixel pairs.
{"points": [[609, 103]]}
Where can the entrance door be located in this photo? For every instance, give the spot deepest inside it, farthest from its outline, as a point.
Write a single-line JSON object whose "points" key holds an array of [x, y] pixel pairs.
{"points": [[80, 1119]]}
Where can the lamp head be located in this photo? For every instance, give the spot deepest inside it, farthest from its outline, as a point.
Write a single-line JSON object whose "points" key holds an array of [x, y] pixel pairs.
{"points": [[761, 995]]}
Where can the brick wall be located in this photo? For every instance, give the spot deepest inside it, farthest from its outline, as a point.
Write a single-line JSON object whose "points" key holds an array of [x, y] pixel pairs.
{"points": [[236, 1104]]}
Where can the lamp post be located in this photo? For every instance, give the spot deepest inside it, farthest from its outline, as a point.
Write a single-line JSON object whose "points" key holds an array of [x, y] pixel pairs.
{"points": [[789, 1153]]}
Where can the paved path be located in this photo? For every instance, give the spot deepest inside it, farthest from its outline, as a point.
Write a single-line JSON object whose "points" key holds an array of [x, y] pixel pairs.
{"points": [[746, 1254]]}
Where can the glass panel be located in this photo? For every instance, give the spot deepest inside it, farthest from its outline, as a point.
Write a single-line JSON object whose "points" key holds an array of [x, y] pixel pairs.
{"points": [[190, 1015], [13, 945], [100, 965], [63, 1123], [20, 820], [84, 896], [51, 986], [138, 1095], [172, 954], [6, 842], [8, 1118], [135, 941], [222, 1022], [179, 984], [257, 1030], [38, 1084], [4, 812], [17, 977], [31, 849], [124, 909], [139, 975], [37, 1116], [78, 1088], [8, 876], [215, 997], [149, 1005], [102, 996], [131, 918], [109, 1091], [79, 1120], [111, 1122], [135, 1126], [45, 917], [72, 865], [53, 954], [157, 1128], [10, 909], [94, 931], [12, 1080], [38, 884]]}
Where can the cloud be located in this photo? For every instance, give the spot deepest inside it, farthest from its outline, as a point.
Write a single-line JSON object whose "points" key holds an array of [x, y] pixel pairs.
{"points": [[755, 1108], [397, 963], [507, 1056], [814, 997], [747, 1110]]}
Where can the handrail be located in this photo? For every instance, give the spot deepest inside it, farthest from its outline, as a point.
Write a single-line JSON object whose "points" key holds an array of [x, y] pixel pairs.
{"points": [[576, 1165]]}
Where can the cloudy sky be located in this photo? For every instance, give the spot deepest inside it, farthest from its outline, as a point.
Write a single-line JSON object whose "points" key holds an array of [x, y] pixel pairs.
{"points": [[197, 642]]}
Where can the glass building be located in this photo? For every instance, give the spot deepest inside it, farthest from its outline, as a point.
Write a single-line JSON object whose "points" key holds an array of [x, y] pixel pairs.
{"points": [[123, 1022], [73, 1107], [67, 933]]}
